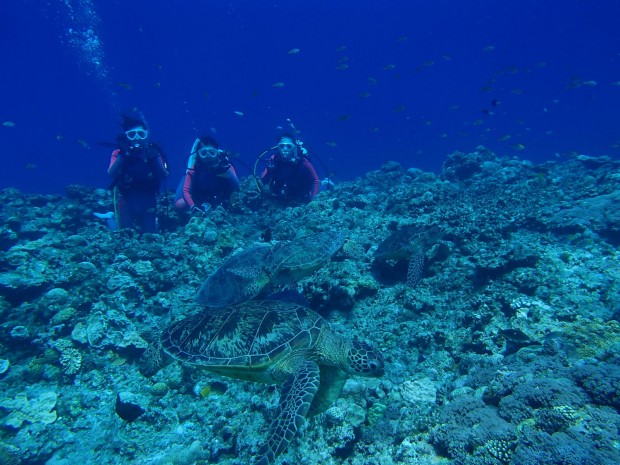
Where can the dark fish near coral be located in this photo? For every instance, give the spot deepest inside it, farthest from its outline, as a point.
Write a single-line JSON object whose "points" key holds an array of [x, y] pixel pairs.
{"points": [[516, 340]]}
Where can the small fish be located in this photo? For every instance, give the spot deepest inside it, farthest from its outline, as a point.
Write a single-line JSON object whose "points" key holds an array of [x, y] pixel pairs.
{"points": [[389, 67], [104, 216], [443, 135], [59, 137], [372, 81], [574, 83], [488, 48], [124, 85], [157, 85], [342, 66], [478, 122], [400, 108], [375, 129], [83, 143], [453, 107], [277, 84], [206, 95], [516, 91], [238, 113], [446, 57], [486, 89], [541, 64], [294, 51], [363, 94], [402, 39], [589, 83], [344, 117], [426, 64], [518, 146], [331, 143], [8, 124], [342, 48], [616, 83], [505, 138], [31, 166]]}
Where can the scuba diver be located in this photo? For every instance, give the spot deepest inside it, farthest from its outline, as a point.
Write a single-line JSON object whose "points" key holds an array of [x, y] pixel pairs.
{"points": [[137, 167], [209, 180], [289, 174]]}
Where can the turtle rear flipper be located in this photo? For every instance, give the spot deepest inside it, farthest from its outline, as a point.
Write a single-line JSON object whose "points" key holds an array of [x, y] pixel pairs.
{"points": [[297, 394], [416, 266]]}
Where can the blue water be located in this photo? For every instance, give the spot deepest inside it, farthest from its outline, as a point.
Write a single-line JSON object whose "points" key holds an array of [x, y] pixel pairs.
{"points": [[417, 80]]}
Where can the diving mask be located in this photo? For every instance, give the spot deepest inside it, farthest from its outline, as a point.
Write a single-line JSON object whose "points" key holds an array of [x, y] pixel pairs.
{"points": [[208, 152], [137, 134], [286, 146]]}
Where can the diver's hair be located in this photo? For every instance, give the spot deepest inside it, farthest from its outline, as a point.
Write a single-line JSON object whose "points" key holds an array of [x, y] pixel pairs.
{"points": [[132, 120], [209, 141], [288, 135]]}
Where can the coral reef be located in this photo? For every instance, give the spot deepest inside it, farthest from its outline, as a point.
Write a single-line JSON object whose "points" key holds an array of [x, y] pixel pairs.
{"points": [[506, 351]]}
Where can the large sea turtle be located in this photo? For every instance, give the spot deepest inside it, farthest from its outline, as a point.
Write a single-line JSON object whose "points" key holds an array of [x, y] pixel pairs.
{"points": [[408, 242], [274, 342], [247, 273]]}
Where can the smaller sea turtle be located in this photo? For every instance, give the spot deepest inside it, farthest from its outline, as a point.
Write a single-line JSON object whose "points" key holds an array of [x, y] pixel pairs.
{"points": [[239, 278], [296, 259], [248, 273], [408, 242], [274, 342]]}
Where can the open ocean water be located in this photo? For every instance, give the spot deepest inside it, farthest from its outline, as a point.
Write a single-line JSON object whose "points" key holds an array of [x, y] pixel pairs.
{"points": [[364, 82]]}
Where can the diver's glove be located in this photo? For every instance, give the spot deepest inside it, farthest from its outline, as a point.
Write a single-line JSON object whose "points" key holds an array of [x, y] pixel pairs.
{"points": [[200, 210], [327, 184]]}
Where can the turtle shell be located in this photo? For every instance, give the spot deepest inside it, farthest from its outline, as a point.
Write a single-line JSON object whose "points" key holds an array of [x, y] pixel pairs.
{"points": [[239, 278], [244, 340], [302, 256]]}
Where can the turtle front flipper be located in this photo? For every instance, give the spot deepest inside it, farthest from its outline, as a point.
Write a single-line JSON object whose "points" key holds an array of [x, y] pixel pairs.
{"points": [[416, 266], [297, 394]]}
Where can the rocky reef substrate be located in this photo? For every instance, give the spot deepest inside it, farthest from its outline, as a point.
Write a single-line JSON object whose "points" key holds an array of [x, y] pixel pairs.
{"points": [[507, 351]]}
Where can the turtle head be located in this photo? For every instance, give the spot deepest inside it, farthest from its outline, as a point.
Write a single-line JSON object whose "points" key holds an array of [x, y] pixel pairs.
{"points": [[364, 360]]}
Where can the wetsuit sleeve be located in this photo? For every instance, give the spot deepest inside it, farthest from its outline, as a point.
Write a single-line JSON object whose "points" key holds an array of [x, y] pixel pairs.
{"points": [[187, 189], [116, 163], [313, 177], [266, 176]]}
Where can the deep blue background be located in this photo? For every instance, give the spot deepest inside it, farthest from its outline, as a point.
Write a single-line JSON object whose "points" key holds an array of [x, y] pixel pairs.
{"points": [[189, 65]]}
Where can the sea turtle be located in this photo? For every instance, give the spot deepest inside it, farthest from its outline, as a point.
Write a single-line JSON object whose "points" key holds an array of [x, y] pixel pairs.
{"points": [[239, 278], [408, 242], [274, 342], [296, 259], [247, 273]]}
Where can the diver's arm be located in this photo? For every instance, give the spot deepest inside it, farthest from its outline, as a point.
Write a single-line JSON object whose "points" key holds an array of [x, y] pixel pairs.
{"points": [[314, 178], [116, 163]]}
